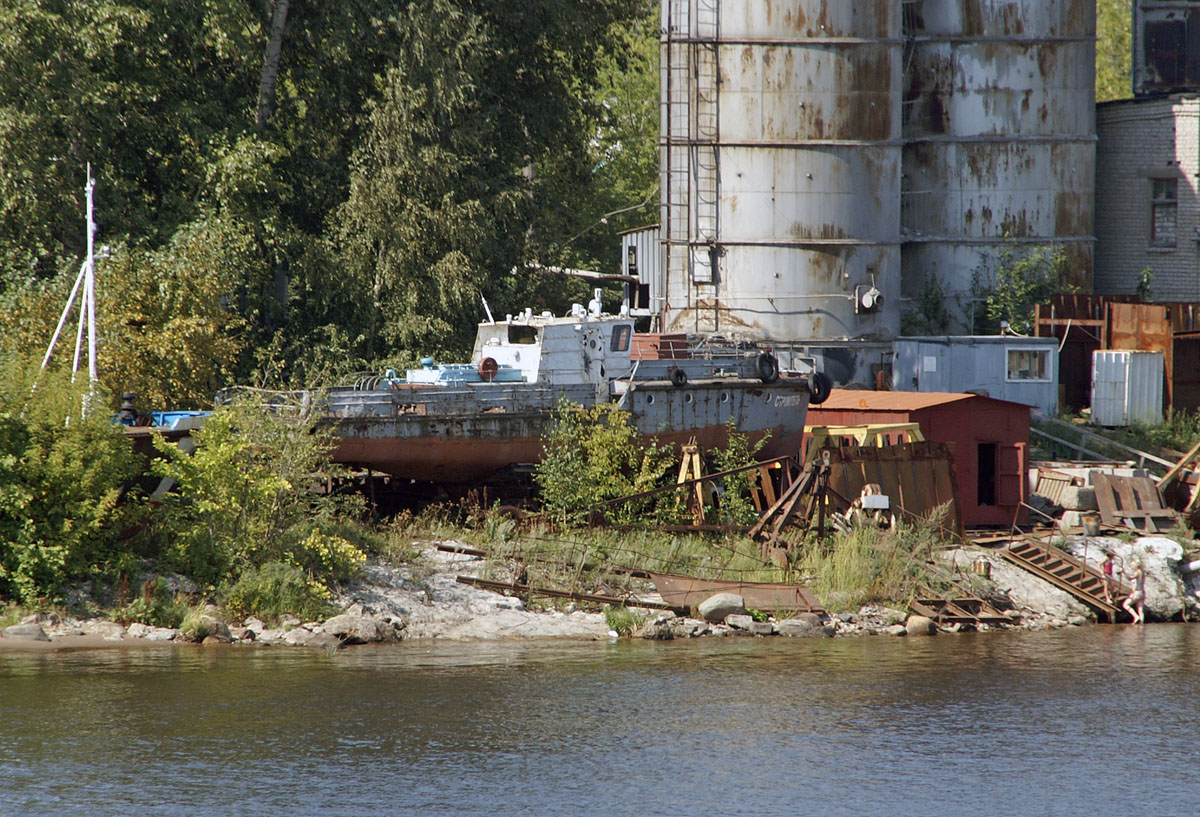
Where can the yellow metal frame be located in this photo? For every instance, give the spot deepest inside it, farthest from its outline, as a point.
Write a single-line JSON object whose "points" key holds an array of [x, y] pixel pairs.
{"points": [[873, 434]]}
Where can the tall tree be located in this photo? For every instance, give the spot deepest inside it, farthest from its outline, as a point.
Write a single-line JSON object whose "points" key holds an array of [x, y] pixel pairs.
{"points": [[1114, 22], [441, 199]]}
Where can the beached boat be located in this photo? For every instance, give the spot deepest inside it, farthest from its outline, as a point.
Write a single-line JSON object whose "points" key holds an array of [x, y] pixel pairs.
{"points": [[462, 423]]}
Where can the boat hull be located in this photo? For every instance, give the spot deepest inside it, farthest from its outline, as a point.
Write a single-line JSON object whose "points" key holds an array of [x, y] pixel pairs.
{"points": [[468, 435]]}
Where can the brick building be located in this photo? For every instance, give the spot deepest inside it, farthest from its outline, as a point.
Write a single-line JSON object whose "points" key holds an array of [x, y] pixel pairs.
{"points": [[1147, 209]]}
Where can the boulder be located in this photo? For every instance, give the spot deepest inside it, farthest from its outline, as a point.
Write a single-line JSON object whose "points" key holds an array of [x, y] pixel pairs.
{"points": [[255, 624], [739, 622], [655, 631], [811, 618], [272, 636], [357, 629], [715, 608], [139, 630], [796, 628], [897, 629], [242, 633], [108, 630], [26, 632], [301, 637], [41, 618], [761, 628], [1078, 498], [216, 629], [920, 625]]}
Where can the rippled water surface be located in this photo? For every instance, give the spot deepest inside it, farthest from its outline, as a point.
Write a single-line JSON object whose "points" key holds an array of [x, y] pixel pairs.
{"points": [[1093, 721]]}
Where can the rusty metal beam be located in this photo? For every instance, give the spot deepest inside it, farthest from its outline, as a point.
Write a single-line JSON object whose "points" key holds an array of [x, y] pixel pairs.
{"points": [[516, 587]]}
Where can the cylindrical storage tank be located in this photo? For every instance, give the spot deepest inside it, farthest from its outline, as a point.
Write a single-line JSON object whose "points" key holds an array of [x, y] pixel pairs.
{"points": [[999, 128], [780, 168]]}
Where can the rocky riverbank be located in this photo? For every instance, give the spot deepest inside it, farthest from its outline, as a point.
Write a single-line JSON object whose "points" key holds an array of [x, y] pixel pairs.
{"points": [[423, 600]]}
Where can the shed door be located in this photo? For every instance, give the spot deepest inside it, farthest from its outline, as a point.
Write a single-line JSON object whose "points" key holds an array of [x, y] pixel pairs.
{"points": [[1010, 471]]}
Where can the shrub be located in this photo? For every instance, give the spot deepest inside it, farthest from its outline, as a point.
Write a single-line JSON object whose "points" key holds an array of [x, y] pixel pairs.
{"points": [[156, 606], [622, 620], [592, 455], [244, 495], [275, 589], [194, 626], [62, 472], [736, 507]]}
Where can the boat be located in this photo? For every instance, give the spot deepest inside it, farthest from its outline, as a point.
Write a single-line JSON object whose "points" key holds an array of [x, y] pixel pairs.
{"points": [[467, 422]]}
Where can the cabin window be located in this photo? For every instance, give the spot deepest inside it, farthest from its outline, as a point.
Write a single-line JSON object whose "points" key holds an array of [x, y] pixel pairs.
{"points": [[520, 333], [1163, 207], [620, 337], [1028, 364]]}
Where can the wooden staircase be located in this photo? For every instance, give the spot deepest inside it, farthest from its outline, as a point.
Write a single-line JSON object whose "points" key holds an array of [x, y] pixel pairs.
{"points": [[960, 607], [1067, 573]]}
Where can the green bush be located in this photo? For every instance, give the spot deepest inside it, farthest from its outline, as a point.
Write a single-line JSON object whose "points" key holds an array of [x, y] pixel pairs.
{"points": [[245, 495], [156, 606], [275, 589], [592, 455], [62, 474]]}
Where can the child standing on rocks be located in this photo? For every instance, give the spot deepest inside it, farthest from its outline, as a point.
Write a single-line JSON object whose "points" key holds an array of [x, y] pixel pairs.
{"points": [[1136, 603]]}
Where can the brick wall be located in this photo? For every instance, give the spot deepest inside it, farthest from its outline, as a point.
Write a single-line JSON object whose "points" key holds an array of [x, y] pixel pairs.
{"points": [[1139, 141]]}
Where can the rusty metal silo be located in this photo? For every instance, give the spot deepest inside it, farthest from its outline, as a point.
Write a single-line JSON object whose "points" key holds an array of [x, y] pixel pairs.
{"points": [[999, 130], [780, 151]]}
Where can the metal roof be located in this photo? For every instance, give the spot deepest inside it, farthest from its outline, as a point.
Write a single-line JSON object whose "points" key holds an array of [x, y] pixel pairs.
{"points": [[864, 400]]}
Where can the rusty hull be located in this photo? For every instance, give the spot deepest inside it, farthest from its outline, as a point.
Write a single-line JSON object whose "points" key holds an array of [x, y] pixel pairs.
{"points": [[466, 435]]}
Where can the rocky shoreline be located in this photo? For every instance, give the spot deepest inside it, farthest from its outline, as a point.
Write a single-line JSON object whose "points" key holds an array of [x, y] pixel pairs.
{"points": [[423, 600]]}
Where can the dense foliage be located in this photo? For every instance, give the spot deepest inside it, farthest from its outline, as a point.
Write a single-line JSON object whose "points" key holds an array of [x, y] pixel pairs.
{"points": [[245, 496], [314, 182], [62, 474]]}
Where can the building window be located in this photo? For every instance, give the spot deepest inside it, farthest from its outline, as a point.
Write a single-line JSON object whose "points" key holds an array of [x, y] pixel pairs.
{"points": [[1163, 207], [1028, 364]]}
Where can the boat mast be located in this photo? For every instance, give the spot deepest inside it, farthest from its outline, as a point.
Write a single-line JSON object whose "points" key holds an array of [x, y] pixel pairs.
{"points": [[87, 310]]}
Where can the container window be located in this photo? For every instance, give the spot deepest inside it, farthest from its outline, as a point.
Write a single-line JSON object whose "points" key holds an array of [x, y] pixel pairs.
{"points": [[1163, 208], [1029, 364], [620, 337], [520, 333]]}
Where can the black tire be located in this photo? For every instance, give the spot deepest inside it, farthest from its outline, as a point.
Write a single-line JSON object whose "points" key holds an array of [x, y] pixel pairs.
{"points": [[768, 367], [678, 377], [819, 388]]}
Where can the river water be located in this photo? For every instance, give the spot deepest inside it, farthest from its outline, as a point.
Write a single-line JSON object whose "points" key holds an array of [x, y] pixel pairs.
{"points": [[1093, 721]]}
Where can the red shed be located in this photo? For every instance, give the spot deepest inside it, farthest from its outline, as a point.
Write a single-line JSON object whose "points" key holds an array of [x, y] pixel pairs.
{"points": [[990, 436]]}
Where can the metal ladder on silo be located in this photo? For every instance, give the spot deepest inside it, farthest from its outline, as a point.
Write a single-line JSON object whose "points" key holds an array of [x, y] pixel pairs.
{"points": [[677, 186], [704, 151]]}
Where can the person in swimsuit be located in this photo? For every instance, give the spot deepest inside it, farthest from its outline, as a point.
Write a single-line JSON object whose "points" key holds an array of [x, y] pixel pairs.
{"points": [[1106, 567], [1136, 603]]}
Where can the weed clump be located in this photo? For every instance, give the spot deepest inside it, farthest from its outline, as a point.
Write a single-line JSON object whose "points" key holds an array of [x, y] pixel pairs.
{"points": [[275, 589]]}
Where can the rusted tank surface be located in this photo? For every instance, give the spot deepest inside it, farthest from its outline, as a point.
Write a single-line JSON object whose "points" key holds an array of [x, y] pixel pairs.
{"points": [[999, 132], [1166, 46], [780, 160]]}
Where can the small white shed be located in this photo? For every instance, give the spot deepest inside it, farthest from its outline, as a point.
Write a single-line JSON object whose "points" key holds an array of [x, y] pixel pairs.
{"points": [[1127, 387], [1021, 370]]}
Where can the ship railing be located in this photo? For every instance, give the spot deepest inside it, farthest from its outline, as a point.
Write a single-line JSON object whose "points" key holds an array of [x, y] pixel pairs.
{"points": [[454, 401]]}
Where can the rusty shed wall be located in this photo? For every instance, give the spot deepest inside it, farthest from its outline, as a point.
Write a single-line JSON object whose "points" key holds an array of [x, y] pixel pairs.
{"points": [[999, 134], [967, 423], [781, 166]]}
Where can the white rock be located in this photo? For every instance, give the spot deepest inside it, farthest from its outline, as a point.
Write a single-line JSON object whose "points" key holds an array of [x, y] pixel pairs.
{"points": [[26, 632], [920, 625], [717, 607]]}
